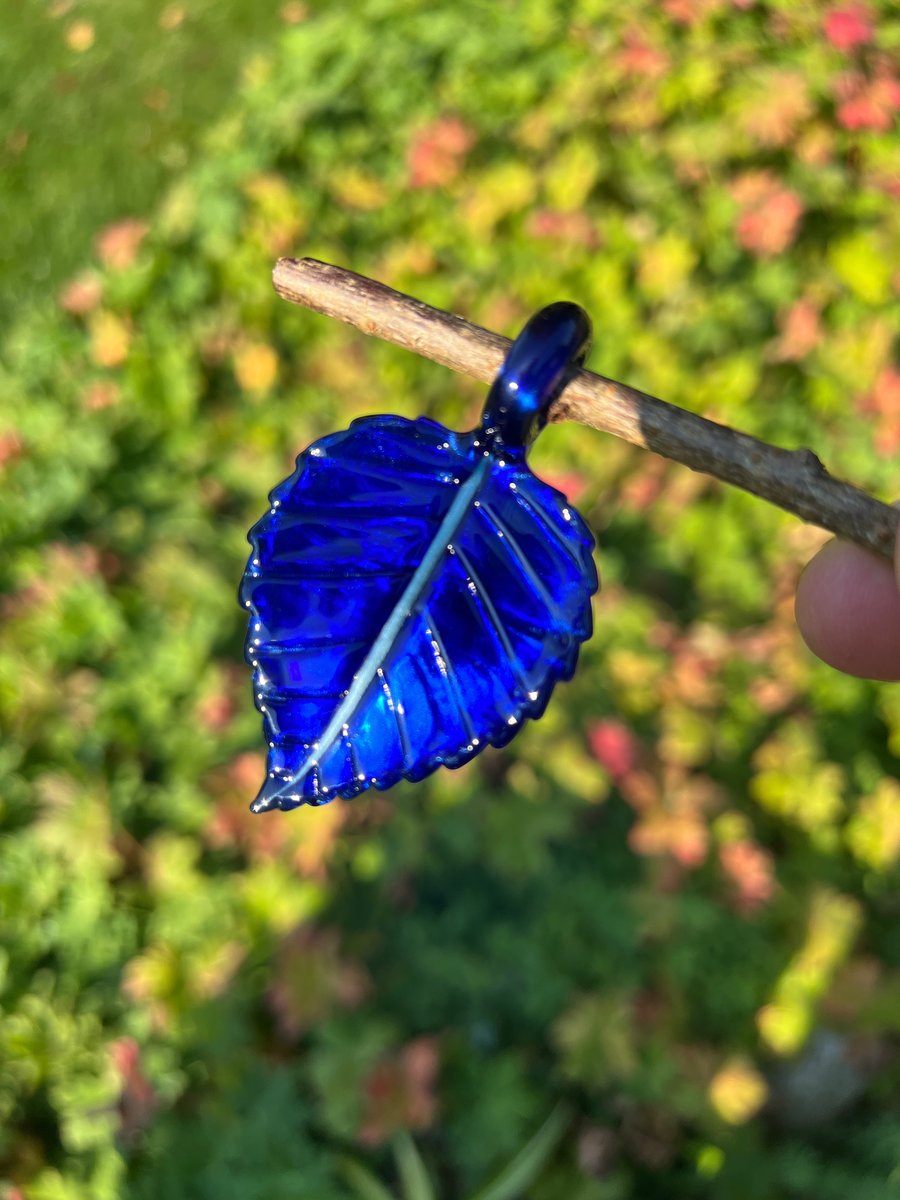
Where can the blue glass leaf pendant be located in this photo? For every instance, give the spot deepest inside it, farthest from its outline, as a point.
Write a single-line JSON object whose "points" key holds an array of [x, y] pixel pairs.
{"points": [[414, 594]]}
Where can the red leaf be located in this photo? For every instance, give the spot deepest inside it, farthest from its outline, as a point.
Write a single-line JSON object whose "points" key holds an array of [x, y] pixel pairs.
{"points": [[571, 483], [868, 104], [801, 332], [437, 152], [231, 823], [639, 57], [118, 244], [771, 213], [614, 746], [574, 228], [10, 447], [401, 1093], [137, 1099], [311, 980], [82, 294], [691, 12], [102, 393], [750, 870], [849, 26], [883, 403]]}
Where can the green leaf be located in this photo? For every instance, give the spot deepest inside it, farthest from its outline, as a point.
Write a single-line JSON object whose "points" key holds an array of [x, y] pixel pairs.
{"points": [[413, 1175], [862, 265], [528, 1163], [362, 1180]]}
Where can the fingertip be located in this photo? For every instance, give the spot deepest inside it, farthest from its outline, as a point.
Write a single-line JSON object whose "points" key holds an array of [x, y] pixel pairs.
{"points": [[848, 611]]}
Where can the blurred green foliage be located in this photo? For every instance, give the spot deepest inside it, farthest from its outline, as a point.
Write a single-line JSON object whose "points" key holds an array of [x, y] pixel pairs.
{"points": [[673, 901]]}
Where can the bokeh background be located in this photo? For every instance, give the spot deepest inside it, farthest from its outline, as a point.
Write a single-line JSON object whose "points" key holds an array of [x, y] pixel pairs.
{"points": [[671, 906]]}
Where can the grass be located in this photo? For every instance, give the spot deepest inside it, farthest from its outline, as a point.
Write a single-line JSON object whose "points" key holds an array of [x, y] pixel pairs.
{"points": [[103, 104]]}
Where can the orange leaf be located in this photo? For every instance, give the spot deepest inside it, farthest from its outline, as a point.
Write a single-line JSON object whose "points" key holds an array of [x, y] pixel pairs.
{"points": [[437, 151], [110, 339], [80, 36], [117, 245], [82, 294], [256, 367]]}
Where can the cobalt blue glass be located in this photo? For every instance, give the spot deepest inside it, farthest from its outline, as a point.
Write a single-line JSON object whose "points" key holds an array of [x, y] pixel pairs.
{"points": [[414, 595]]}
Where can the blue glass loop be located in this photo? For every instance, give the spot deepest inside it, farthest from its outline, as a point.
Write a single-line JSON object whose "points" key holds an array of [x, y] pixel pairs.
{"points": [[413, 594], [541, 361]]}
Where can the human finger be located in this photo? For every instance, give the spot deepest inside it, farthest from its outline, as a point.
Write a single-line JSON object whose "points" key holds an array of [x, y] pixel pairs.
{"points": [[848, 610]]}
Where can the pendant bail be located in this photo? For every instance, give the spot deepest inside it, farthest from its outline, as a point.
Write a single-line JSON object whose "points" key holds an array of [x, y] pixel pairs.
{"points": [[541, 361]]}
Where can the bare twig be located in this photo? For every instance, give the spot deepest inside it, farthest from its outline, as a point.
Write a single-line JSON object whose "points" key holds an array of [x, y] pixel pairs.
{"points": [[793, 479]]}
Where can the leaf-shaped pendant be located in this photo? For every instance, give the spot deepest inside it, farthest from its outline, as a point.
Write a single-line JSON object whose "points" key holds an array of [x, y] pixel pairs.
{"points": [[415, 594]]}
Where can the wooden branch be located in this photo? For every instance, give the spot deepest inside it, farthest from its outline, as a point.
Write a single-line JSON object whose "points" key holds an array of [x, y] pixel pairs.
{"points": [[793, 479]]}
